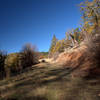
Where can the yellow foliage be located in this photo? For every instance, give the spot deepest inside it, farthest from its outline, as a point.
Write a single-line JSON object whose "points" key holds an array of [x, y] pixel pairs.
{"points": [[12, 60]]}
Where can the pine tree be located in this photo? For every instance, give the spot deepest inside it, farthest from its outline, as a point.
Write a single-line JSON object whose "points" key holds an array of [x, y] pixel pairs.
{"points": [[53, 44]]}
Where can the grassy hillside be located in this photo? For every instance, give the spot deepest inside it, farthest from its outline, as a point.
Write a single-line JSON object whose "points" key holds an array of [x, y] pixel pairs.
{"points": [[49, 82]]}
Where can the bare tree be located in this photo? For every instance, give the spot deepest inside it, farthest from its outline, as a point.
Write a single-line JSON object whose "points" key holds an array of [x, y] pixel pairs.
{"points": [[29, 55]]}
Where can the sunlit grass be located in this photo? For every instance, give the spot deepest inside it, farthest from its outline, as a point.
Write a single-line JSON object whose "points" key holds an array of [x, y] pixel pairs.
{"points": [[49, 83]]}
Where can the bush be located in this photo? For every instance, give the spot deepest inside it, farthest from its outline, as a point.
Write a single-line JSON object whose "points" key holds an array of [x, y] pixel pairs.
{"points": [[2, 60], [93, 44], [17, 62], [28, 56], [12, 65]]}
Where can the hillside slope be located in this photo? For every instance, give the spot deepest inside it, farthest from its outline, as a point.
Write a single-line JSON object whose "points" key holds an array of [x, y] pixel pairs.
{"points": [[46, 81], [84, 58]]}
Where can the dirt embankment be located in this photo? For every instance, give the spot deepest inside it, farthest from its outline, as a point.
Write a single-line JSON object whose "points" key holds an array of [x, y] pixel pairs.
{"points": [[79, 59]]}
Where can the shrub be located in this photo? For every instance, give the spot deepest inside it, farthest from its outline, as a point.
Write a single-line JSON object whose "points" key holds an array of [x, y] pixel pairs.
{"points": [[17, 62], [12, 65], [93, 44], [2, 60], [28, 55]]}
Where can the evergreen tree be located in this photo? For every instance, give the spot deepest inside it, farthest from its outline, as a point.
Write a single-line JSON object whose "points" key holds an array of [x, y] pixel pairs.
{"points": [[53, 44]]}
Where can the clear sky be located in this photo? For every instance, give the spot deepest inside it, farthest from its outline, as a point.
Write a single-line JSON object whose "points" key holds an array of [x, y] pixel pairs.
{"points": [[35, 21]]}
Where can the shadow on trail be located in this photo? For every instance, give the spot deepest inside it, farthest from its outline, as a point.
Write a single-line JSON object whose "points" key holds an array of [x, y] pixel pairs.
{"points": [[38, 77], [43, 76]]}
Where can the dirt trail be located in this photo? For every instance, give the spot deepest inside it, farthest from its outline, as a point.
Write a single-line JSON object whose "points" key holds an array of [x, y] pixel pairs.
{"points": [[47, 81]]}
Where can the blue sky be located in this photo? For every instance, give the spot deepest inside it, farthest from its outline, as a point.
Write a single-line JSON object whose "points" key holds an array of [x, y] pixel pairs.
{"points": [[35, 21]]}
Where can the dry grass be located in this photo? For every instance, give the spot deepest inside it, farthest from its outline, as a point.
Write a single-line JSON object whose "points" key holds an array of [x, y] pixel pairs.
{"points": [[48, 82]]}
